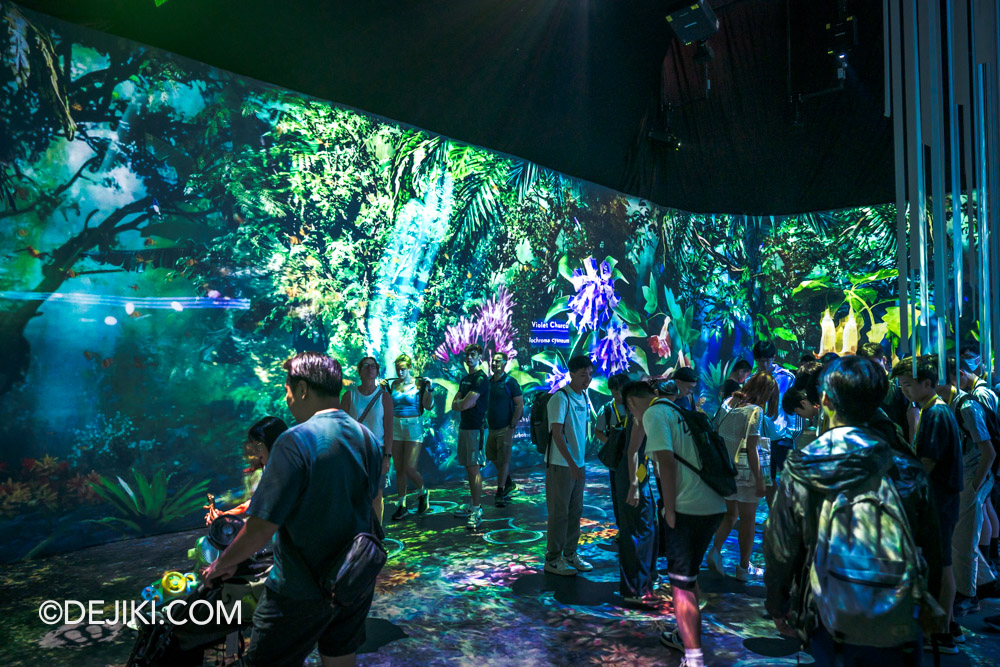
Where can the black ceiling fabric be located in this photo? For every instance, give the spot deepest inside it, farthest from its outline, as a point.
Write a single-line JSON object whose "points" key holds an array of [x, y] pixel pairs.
{"points": [[573, 85]]}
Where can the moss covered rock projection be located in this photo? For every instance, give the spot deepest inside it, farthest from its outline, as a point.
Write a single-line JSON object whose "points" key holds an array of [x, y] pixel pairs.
{"points": [[171, 232]]}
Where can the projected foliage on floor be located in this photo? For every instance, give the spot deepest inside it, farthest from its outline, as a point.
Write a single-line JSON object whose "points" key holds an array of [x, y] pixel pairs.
{"points": [[171, 232]]}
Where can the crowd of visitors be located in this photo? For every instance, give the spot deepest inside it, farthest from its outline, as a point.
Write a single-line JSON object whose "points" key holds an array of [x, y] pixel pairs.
{"points": [[879, 482]]}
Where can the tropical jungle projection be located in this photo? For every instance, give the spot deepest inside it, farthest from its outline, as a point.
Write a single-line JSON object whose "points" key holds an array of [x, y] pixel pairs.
{"points": [[288, 381], [171, 233]]}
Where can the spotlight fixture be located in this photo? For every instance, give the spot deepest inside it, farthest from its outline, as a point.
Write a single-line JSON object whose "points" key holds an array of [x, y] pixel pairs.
{"points": [[692, 21]]}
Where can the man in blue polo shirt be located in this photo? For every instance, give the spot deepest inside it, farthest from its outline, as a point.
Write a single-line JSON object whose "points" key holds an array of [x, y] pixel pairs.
{"points": [[505, 409]]}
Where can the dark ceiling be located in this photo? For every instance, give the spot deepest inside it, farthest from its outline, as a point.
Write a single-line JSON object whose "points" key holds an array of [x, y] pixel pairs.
{"points": [[573, 85]]}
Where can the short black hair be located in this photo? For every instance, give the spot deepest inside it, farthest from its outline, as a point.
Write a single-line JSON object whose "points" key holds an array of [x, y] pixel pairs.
{"points": [[579, 362], [764, 349], [829, 357], [474, 347], [927, 368], [856, 387], [638, 389], [871, 351], [793, 399], [505, 356], [742, 366], [807, 380], [617, 381], [323, 374], [266, 431], [806, 358], [969, 347], [951, 370]]}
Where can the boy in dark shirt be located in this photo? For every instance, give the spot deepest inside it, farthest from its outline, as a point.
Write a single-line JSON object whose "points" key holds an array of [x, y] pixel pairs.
{"points": [[472, 401], [938, 445], [895, 405], [739, 374]]}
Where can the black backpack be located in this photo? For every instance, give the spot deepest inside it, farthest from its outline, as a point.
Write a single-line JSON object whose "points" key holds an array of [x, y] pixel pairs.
{"points": [[992, 425], [540, 433], [717, 468], [612, 451]]}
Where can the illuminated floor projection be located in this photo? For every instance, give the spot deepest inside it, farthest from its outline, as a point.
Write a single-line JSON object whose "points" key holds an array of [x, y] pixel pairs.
{"points": [[451, 597]]}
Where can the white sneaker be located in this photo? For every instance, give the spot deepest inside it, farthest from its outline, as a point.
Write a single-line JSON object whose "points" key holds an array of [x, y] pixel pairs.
{"points": [[560, 566], [744, 574], [715, 561], [579, 563], [463, 512]]}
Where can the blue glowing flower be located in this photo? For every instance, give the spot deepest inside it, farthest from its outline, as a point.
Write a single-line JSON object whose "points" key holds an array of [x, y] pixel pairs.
{"points": [[556, 380], [612, 354], [595, 297]]}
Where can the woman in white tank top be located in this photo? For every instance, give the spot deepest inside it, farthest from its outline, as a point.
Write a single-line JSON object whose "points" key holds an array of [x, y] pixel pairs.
{"points": [[371, 405]]}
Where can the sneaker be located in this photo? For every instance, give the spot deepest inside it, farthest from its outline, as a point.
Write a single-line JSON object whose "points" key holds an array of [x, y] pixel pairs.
{"points": [[672, 639], [943, 642], [475, 519], [715, 561], [579, 563], [500, 500], [993, 621], [509, 489], [965, 605], [400, 512], [632, 600], [424, 503], [744, 574], [560, 566], [957, 635], [462, 512]]}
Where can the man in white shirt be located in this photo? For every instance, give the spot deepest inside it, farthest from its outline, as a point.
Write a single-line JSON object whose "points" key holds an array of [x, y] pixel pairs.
{"points": [[569, 413], [692, 510]]}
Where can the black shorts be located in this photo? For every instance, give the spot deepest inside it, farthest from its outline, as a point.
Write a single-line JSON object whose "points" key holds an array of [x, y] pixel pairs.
{"points": [[686, 544], [285, 630], [948, 513]]}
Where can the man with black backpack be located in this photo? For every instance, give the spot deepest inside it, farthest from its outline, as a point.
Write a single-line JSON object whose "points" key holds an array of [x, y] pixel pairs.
{"points": [[978, 455], [851, 544], [316, 493], [692, 509]]}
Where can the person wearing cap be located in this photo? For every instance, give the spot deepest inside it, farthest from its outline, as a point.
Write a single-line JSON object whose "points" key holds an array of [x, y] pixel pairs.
{"points": [[687, 382]]}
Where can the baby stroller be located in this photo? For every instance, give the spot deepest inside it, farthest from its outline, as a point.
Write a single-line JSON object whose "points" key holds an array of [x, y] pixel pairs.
{"points": [[160, 643]]}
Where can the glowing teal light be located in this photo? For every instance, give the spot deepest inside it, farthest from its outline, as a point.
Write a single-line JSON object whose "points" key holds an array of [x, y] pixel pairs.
{"points": [[512, 536]]}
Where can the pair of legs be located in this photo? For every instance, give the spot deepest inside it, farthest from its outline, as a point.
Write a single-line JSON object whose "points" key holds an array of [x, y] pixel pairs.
{"points": [[475, 475], [747, 515], [472, 457], [499, 443], [405, 453], [286, 629], [991, 528]]}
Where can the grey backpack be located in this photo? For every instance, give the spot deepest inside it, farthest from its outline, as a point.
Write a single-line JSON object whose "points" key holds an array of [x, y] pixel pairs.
{"points": [[868, 576]]}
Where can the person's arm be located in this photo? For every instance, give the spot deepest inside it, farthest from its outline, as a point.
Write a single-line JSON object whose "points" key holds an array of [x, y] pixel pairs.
{"points": [[913, 420], [345, 402], [602, 427], [634, 443], [428, 399], [987, 454], [464, 403], [559, 440], [518, 411], [666, 470], [253, 536], [753, 460]]}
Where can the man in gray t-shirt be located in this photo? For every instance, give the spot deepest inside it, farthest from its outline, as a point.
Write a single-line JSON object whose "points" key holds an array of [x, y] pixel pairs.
{"points": [[314, 497]]}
